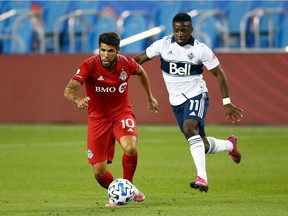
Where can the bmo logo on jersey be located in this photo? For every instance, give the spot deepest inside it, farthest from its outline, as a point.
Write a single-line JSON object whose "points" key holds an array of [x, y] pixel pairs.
{"points": [[111, 89], [122, 87]]}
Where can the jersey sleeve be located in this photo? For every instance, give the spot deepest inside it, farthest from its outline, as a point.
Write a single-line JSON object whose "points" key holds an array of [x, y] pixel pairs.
{"points": [[134, 66], [154, 49], [209, 59], [82, 72]]}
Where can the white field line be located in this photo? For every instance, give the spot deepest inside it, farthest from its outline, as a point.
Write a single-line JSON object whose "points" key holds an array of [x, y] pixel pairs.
{"points": [[25, 145], [140, 141], [76, 143]]}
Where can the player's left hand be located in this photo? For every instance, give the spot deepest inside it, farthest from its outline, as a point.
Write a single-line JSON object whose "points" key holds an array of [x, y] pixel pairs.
{"points": [[153, 105], [233, 113]]}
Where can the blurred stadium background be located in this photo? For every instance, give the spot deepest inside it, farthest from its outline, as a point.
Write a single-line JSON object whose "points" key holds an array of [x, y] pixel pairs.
{"points": [[74, 26], [43, 42]]}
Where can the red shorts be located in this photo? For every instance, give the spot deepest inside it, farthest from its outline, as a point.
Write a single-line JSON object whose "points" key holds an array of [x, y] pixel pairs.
{"points": [[103, 133]]}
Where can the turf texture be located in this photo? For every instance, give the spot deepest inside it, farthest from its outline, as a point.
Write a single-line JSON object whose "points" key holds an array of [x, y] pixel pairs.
{"points": [[44, 171]]}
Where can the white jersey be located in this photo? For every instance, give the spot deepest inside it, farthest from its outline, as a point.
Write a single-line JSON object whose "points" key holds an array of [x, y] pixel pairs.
{"points": [[182, 67]]}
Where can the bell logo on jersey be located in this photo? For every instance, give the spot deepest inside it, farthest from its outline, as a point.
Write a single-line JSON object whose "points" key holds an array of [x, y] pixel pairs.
{"points": [[174, 69]]}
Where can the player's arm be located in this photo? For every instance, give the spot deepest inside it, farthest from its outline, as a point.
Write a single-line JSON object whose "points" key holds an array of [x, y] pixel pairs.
{"points": [[141, 58], [232, 112], [144, 80], [70, 93]]}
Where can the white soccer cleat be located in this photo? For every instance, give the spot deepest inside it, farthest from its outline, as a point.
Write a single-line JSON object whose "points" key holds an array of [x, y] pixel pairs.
{"points": [[139, 196], [110, 205]]}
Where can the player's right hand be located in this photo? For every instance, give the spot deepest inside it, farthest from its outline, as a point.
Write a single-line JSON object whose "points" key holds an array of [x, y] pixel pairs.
{"points": [[83, 103]]}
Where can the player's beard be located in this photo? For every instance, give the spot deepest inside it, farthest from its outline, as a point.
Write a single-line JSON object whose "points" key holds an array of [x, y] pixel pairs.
{"points": [[111, 63]]}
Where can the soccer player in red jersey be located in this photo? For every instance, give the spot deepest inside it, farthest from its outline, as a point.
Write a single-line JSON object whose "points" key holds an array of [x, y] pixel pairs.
{"points": [[110, 115]]}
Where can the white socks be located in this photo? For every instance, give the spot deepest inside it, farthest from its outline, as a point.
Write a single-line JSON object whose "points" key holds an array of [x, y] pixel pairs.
{"points": [[197, 150], [217, 145]]}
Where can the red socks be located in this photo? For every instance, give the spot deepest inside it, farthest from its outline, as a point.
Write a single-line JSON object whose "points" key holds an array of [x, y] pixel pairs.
{"points": [[106, 179], [129, 164]]}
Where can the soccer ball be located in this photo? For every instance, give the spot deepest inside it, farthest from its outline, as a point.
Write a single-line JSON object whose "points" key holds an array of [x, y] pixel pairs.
{"points": [[121, 191]]}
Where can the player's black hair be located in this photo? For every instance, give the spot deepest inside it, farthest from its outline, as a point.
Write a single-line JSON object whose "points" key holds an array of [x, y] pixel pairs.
{"points": [[182, 17], [109, 38]]}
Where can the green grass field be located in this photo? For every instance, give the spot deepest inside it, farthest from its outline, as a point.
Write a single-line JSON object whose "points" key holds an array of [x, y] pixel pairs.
{"points": [[44, 171]]}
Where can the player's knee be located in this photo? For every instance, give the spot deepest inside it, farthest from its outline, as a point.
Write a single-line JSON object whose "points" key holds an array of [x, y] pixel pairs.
{"points": [[99, 174], [190, 131], [128, 144], [99, 171], [130, 149], [190, 128]]}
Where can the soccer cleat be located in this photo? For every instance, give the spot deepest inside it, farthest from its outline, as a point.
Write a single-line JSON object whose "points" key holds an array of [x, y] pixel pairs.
{"points": [[110, 204], [200, 184], [235, 153], [139, 196]]}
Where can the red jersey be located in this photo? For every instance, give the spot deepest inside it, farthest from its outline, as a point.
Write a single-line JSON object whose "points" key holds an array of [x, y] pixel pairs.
{"points": [[107, 88]]}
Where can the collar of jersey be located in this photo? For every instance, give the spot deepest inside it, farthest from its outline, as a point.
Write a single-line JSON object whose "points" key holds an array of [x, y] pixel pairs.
{"points": [[191, 40]]}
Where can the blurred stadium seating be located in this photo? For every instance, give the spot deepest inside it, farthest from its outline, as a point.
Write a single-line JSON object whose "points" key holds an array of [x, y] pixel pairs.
{"points": [[51, 12], [131, 23], [16, 29], [234, 11], [74, 26], [83, 24], [269, 22], [163, 13], [103, 24]]}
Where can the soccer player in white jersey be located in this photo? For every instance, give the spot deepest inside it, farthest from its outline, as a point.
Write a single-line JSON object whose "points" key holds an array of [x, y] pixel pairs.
{"points": [[182, 60]]}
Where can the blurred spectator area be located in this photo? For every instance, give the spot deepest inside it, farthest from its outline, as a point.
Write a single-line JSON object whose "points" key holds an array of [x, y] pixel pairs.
{"points": [[74, 26]]}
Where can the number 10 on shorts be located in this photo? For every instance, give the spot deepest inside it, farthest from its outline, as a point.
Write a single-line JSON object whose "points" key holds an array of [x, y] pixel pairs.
{"points": [[127, 123]]}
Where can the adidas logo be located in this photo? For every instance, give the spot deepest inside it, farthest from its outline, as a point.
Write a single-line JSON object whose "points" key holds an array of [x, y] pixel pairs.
{"points": [[170, 52], [192, 114], [130, 130], [100, 78]]}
